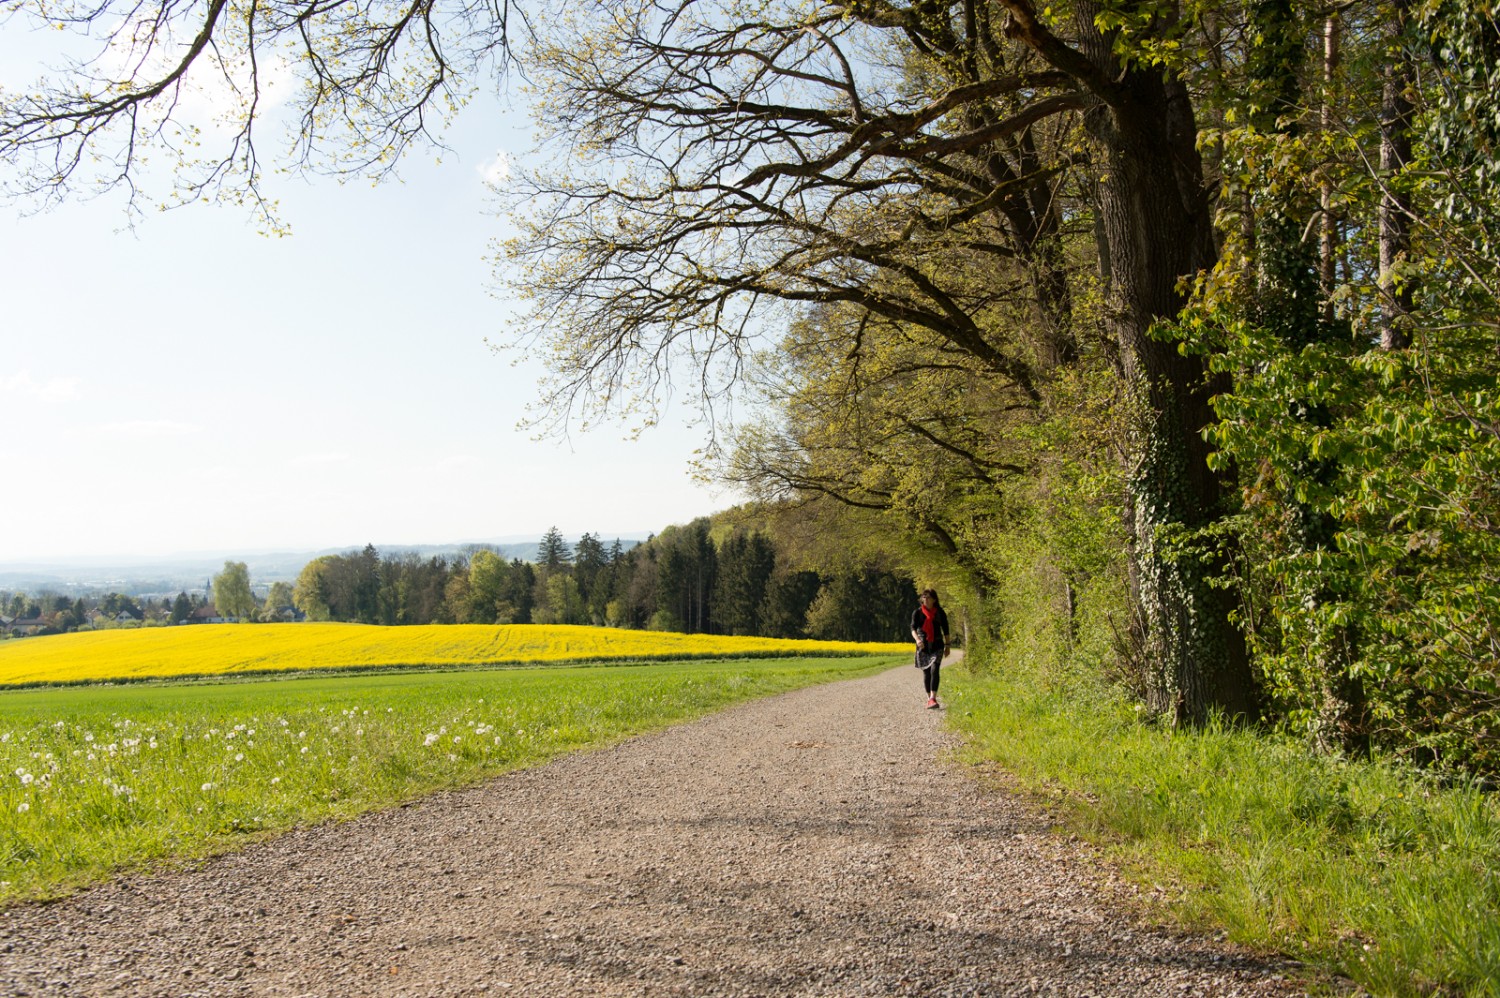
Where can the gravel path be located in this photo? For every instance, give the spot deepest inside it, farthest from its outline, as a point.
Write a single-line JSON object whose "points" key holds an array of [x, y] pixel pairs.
{"points": [[810, 844]]}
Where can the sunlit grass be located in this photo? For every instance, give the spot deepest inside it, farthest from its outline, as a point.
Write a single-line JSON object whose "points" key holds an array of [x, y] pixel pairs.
{"points": [[96, 779], [221, 649], [1367, 870]]}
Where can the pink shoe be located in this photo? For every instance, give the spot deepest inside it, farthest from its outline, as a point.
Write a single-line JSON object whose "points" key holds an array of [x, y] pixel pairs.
{"points": [[932, 703]]}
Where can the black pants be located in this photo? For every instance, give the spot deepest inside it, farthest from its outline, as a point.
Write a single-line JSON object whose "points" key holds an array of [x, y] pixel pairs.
{"points": [[930, 677]]}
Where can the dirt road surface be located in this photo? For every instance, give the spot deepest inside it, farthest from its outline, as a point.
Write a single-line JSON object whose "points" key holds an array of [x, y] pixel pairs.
{"points": [[820, 843]]}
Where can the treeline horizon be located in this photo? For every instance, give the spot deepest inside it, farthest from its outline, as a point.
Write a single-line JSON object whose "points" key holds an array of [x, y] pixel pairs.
{"points": [[694, 578]]}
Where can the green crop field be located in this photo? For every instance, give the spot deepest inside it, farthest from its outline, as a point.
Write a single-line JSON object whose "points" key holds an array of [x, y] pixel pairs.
{"points": [[97, 779]]}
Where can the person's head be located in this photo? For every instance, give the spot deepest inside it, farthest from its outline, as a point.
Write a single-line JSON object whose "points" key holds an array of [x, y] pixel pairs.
{"points": [[928, 597]]}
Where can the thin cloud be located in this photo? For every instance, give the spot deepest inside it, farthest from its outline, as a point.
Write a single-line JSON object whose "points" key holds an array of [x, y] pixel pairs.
{"points": [[320, 460], [143, 429], [217, 89], [457, 462], [495, 170], [23, 385]]}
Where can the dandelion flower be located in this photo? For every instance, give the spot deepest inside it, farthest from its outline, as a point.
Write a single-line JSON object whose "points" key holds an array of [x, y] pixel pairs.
{"points": [[23, 807], [207, 787]]}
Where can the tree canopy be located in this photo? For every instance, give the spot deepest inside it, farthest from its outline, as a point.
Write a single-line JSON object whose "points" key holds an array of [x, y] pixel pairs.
{"points": [[231, 589]]}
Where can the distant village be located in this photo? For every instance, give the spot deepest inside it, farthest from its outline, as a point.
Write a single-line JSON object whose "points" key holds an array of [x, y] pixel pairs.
{"points": [[26, 616]]}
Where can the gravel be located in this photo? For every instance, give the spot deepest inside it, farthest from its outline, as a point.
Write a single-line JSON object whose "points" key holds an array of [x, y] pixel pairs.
{"points": [[820, 843]]}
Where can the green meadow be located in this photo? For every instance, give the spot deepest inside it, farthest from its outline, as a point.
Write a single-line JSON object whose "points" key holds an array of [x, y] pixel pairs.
{"points": [[100, 779]]}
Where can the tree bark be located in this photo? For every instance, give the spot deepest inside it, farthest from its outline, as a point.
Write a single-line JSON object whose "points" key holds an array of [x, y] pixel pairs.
{"points": [[1395, 207], [1328, 230], [1157, 223]]}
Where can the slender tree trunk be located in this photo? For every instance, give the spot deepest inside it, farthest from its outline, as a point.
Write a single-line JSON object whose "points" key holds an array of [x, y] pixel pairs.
{"points": [[1395, 207], [1328, 230]]}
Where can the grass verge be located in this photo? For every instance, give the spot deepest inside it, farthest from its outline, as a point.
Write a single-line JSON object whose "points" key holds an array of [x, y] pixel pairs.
{"points": [[1362, 869], [94, 780]]}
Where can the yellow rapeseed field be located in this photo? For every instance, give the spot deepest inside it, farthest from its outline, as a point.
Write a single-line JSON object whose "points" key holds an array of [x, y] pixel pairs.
{"points": [[220, 649]]}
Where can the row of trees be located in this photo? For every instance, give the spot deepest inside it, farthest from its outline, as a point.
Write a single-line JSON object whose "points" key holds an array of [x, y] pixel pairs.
{"points": [[1166, 331], [697, 578], [709, 576]]}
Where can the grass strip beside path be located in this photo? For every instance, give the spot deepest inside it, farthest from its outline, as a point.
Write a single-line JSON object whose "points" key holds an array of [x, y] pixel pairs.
{"points": [[1367, 870], [98, 779]]}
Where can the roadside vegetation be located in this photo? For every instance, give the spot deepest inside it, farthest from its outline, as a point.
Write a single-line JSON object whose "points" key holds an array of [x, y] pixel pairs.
{"points": [[1369, 870], [99, 779]]}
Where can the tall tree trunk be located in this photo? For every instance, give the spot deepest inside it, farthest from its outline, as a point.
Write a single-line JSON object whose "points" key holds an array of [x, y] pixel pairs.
{"points": [[1157, 223], [1328, 228], [1344, 718], [1158, 231], [1395, 207]]}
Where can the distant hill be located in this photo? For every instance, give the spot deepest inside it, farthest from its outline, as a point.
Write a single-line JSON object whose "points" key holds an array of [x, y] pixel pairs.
{"points": [[191, 573]]}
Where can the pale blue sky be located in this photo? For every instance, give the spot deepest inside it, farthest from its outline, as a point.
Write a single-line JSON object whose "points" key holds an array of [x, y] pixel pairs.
{"points": [[193, 386]]}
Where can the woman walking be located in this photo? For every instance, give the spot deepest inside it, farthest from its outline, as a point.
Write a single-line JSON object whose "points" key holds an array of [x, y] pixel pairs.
{"points": [[929, 629]]}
